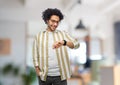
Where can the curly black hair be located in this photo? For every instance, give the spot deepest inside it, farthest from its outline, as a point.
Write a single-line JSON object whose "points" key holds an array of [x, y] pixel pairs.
{"points": [[49, 12]]}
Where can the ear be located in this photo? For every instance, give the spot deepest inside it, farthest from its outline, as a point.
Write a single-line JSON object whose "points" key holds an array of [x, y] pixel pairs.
{"points": [[47, 21]]}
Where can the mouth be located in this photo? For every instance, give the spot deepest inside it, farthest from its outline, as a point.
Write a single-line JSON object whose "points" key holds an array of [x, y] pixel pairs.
{"points": [[54, 28]]}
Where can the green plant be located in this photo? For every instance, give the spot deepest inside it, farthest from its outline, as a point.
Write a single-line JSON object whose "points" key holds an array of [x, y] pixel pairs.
{"points": [[29, 77], [16, 71], [9, 68]]}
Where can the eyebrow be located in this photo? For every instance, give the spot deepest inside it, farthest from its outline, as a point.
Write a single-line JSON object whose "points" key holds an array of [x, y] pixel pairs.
{"points": [[54, 20]]}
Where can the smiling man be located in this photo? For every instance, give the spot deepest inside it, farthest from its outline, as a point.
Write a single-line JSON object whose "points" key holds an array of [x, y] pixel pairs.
{"points": [[50, 56]]}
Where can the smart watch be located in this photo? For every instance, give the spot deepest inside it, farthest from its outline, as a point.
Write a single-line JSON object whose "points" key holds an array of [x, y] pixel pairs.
{"points": [[65, 42]]}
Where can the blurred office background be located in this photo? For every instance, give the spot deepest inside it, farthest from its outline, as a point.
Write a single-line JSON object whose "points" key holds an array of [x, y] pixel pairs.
{"points": [[94, 23]]}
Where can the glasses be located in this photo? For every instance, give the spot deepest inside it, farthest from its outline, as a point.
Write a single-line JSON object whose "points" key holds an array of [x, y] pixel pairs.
{"points": [[54, 21]]}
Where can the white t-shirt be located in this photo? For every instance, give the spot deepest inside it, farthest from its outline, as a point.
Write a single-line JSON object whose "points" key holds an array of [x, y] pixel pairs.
{"points": [[53, 67]]}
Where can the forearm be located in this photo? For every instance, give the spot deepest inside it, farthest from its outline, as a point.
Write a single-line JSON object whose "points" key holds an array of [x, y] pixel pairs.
{"points": [[35, 53], [70, 44]]}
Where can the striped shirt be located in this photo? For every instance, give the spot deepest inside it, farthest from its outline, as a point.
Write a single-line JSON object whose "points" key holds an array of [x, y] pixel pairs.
{"points": [[40, 53]]}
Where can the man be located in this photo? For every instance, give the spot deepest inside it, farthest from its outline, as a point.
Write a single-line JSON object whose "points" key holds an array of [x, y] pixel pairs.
{"points": [[50, 55]]}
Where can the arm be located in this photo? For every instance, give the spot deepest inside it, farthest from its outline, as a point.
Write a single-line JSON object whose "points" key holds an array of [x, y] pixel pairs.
{"points": [[35, 52], [63, 43], [70, 44], [35, 55], [69, 41]]}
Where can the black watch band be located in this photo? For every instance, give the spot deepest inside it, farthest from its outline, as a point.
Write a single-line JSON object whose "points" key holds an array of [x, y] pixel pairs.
{"points": [[65, 42]]}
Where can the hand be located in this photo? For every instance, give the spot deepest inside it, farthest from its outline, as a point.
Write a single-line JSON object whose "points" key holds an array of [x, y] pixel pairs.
{"points": [[58, 44], [37, 71]]}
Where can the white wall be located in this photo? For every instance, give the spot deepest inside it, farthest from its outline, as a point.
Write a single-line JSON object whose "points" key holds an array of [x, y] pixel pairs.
{"points": [[106, 33], [16, 32]]}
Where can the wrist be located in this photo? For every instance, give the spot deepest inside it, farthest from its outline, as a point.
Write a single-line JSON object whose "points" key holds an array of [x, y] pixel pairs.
{"points": [[37, 67]]}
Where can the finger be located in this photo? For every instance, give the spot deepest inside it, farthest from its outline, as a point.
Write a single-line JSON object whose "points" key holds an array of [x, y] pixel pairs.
{"points": [[60, 43], [54, 45]]}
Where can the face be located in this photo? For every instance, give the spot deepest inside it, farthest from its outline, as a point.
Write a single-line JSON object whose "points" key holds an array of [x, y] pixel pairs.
{"points": [[53, 22]]}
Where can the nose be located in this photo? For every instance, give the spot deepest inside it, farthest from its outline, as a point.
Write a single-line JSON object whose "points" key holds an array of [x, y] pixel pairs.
{"points": [[55, 24]]}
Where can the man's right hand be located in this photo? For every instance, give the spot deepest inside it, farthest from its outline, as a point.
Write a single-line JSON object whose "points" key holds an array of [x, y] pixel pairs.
{"points": [[37, 70]]}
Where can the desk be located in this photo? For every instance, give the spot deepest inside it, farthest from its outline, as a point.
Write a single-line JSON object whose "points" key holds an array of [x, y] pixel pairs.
{"points": [[110, 75]]}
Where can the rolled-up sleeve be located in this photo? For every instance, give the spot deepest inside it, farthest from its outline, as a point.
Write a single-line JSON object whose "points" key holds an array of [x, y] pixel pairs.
{"points": [[73, 40], [35, 52]]}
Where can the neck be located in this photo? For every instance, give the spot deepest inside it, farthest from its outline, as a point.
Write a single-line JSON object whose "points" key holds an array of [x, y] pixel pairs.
{"points": [[49, 30]]}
